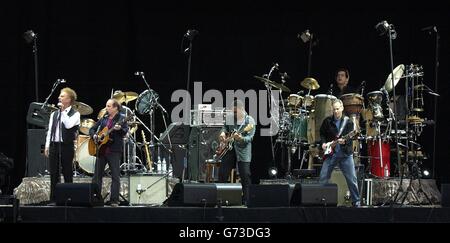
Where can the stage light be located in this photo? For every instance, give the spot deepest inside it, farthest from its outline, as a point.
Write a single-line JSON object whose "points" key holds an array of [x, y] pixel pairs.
{"points": [[426, 173], [384, 27], [273, 172]]}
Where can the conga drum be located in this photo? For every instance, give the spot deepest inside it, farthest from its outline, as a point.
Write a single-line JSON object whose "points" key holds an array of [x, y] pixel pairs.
{"points": [[379, 157], [353, 103]]}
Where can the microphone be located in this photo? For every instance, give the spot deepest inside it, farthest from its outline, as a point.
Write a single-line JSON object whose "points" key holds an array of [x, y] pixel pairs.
{"points": [[362, 86], [432, 93], [162, 108], [285, 75], [191, 33], [429, 28], [330, 90]]}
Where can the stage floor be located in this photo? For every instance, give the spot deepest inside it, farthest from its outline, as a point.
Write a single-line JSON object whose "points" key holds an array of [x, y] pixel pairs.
{"points": [[236, 214]]}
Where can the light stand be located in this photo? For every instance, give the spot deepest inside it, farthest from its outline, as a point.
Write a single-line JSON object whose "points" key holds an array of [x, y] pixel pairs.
{"points": [[29, 37], [190, 34]]}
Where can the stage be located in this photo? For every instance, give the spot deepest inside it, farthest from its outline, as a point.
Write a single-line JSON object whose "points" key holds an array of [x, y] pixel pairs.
{"points": [[238, 214]]}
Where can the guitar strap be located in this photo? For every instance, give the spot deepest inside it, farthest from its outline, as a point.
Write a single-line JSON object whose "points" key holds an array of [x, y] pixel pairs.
{"points": [[342, 126]]}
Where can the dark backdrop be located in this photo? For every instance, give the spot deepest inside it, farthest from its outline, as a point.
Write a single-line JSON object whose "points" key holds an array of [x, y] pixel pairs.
{"points": [[98, 46]]}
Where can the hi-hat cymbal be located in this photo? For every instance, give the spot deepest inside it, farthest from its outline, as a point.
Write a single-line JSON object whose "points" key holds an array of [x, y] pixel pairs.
{"points": [[310, 83], [273, 84], [126, 97], [83, 108], [398, 73]]}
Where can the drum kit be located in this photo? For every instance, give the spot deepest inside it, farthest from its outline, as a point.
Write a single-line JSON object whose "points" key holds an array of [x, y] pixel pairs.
{"points": [[145, 102], [301, 116]]}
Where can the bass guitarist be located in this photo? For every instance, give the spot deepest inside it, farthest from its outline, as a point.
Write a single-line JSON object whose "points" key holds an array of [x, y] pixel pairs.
{"points": [[332, 130], [242, 131], [111, 151]]}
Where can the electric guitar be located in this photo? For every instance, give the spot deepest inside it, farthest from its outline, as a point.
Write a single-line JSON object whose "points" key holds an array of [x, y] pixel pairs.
{"points": [[103, 138], [227, 144], [330, 146]]}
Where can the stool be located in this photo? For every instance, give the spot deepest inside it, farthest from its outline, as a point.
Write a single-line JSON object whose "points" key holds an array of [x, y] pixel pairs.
{"points": [[211, 164]]}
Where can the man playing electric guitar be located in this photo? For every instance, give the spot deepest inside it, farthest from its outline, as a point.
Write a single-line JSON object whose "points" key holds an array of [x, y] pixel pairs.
{"points": [[242, 146], [111, 151], [337, 130]]}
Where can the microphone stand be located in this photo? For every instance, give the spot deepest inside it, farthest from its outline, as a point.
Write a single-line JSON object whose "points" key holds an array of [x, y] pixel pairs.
{"points": [[400, 168], [55, 85], [436, 72], [36, 78]]}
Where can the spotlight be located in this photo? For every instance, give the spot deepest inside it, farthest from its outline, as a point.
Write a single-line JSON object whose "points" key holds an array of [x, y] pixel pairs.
{"points": [[273, 172], [426, 173], [384, 27], [29, 36]]}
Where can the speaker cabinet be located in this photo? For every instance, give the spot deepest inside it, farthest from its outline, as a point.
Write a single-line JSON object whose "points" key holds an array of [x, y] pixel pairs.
{"points": [[37, 163], [147, 189], [193, 195], [445, 195], [203, 142], [230, 194], [78, 194], [271, 195], [314, 195]]}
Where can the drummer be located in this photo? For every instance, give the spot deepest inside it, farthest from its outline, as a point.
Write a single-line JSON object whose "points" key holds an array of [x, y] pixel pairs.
{"points": [[342, 87]]}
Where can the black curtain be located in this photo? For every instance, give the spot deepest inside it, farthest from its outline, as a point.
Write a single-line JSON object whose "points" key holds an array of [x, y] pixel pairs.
{"points": [[98, 46]]}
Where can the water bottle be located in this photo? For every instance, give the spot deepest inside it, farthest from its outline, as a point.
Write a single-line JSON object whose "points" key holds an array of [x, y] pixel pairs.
{"points": [[158, 165], [386, 171], [164, 166], [170, 170]]}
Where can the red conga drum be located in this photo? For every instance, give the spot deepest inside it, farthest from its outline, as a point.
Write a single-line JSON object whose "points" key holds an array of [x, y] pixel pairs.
{"points": [[380, 166]]}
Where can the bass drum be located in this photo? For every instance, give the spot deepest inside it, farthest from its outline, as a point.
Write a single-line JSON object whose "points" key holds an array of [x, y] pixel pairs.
{"points": [[85, 162]]}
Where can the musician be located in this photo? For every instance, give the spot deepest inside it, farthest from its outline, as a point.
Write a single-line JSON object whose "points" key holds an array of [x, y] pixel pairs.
{"points": [[111, 152], [59, 143], [333, 127], [242, 146], [342, 87]]}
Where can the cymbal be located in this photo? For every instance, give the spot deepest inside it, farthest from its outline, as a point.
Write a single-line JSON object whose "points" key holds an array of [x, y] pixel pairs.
{"points": [[126, 97], [83, 108], [398, 73], [310, 83], [274, 84], [101, 113]]}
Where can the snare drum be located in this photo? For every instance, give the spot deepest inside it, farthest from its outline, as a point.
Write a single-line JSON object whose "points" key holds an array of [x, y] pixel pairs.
{"points": [[353, 103], [85, 125], [295, 100], [379, 165]]}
